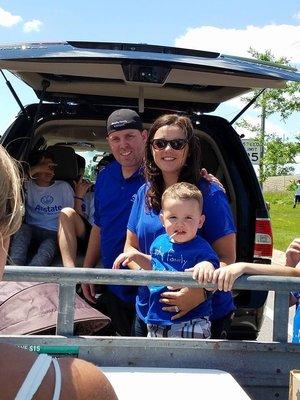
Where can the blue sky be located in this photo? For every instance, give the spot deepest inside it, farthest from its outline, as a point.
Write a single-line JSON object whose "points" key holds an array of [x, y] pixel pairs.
{"points": [[227, 26]]}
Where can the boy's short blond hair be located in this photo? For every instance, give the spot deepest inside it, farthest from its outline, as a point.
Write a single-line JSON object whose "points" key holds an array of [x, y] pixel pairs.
{"points": [[183, 191]]}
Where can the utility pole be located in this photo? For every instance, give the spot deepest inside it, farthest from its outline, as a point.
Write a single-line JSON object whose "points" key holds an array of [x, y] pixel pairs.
{"points": [[262, 140]]}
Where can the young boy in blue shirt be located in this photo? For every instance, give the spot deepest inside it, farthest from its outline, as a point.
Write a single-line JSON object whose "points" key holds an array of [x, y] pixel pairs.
{"points": [[180, 249]]}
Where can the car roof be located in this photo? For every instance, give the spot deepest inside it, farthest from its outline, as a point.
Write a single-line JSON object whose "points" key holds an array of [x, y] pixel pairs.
{"points": [[126, 74]]}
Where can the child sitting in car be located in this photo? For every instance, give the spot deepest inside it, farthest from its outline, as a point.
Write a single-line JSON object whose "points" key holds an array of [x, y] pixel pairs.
{"points": [[44, 198], [180, 249]]}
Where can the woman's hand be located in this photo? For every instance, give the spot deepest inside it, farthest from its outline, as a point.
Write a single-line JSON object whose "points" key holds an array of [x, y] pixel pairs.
{"points": [[181, 301]]}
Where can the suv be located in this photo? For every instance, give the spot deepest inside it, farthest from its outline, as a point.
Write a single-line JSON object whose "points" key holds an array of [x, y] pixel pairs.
{"points": [[80, 83]]}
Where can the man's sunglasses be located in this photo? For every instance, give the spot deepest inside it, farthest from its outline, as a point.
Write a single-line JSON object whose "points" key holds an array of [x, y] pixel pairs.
{"points": [[176, 144]]}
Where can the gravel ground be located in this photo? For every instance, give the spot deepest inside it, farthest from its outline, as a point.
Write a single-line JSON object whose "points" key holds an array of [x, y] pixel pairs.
{"points": [[266, 333], [278, 257]]}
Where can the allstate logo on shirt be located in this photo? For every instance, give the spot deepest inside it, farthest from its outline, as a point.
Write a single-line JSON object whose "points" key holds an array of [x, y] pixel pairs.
{"points": [[47, 207], [46, 200]]}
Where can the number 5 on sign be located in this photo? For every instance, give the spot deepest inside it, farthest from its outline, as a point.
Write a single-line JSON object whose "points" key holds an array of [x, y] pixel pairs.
{"points": [[253, 150]]}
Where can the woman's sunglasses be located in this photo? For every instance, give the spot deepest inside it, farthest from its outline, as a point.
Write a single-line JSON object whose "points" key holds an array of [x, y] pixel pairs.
{"points": [[176, 144]]}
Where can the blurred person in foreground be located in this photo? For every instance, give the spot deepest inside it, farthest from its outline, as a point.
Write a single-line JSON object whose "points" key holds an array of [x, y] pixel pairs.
{"points": [[65, 378]]}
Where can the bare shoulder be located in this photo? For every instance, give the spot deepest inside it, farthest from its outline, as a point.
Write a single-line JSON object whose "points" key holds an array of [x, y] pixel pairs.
{"points": [[15, 364], [84, 381], [80, 379]]}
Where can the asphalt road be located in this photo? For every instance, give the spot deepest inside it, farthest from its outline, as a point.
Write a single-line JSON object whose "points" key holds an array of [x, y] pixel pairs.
{"points": [[266, 333]]}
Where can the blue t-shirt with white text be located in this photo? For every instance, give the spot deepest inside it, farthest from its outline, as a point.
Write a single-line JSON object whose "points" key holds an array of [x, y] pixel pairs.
{"points": [[169, 256]]}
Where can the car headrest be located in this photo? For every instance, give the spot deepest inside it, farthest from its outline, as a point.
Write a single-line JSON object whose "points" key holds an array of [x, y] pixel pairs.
{"points": [[66, 160]]}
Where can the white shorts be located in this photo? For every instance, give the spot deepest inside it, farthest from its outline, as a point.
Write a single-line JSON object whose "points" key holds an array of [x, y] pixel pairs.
{"points": [[194, 329]]}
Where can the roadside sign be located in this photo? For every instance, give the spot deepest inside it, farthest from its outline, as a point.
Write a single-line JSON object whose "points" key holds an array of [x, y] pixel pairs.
{"points": [[253, 149]]}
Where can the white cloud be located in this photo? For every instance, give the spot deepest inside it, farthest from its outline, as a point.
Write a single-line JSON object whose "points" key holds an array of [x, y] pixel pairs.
{"points": [[8, 20], [280, 39], [297, 15], [33, 25]]}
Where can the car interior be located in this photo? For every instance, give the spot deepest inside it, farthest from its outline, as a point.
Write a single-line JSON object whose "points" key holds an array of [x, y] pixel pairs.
{"points": [[65, 138]]}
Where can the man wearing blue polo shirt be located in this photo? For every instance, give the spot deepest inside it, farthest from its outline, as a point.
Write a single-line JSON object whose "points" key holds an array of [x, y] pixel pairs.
{"points": [[115, 190]]}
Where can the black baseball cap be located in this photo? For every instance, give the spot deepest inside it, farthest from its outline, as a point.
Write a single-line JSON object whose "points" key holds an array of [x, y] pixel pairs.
{"points": [[123, 119]]}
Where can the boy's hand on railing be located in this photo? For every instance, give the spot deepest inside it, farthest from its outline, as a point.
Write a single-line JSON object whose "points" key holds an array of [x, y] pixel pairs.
{"points": [[202, 272], [88, 290], [292, 254]]}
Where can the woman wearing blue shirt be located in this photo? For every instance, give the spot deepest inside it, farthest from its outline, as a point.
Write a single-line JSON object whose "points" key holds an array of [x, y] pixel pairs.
{"points": [[173, 155]]}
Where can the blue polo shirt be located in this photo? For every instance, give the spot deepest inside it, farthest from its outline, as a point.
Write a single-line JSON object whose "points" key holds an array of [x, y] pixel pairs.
{"points": [[146, 225], [169, 256], [114, 196]]}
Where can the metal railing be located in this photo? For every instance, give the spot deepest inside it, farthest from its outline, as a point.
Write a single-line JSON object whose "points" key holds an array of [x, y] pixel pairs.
{"points": [[67, 278]]}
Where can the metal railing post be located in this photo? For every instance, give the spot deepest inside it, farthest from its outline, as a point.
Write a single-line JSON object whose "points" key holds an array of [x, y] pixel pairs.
{"points": [[281, 316], [66, 309]]}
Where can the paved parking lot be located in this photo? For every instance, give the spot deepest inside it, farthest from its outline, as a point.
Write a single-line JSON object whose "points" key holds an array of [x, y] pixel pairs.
{"points": [[266, 332]]}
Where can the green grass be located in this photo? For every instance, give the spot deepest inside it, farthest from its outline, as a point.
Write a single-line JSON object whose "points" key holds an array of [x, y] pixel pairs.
{"points": [[285, 219]]}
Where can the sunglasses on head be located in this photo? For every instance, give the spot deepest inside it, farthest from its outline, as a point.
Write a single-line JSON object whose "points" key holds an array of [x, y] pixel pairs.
{"points": [[176, 144]]}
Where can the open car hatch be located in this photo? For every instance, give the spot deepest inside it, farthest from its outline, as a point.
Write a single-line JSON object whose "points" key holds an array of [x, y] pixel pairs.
{"points": [[131, 74]]}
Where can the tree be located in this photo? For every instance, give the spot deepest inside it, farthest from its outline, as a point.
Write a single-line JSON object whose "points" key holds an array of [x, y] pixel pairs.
{"points": [[90, 172], [284, 102], [278, 155]]}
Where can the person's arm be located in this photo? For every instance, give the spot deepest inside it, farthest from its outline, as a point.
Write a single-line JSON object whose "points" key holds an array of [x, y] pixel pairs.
{"points": [[225, 277], [143, 260], [292, 259], [91, 259], [131, 246], [225, 248], [93, 250], [80, 188]]}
